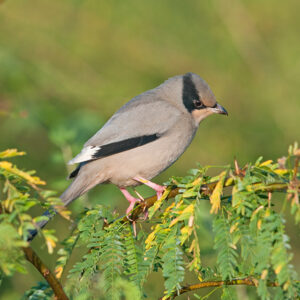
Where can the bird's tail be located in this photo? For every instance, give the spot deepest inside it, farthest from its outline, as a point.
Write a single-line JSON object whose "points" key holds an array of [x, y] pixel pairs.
{"points": [[75, 190]]}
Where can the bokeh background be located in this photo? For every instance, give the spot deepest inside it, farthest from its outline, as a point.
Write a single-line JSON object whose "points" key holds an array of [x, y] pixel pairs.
{"points": [[67, 66]]}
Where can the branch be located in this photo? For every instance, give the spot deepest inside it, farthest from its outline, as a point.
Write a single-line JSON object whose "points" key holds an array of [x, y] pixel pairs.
{"points": [[32, 257], [207, 189], [244, 281], [147, 204]]}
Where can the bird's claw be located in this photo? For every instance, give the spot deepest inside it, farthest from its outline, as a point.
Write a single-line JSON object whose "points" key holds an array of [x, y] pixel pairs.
{"points": [[160, 193], [146, 214]]}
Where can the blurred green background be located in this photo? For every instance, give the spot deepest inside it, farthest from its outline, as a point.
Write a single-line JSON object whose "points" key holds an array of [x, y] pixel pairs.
{"points": [[67, 66]]}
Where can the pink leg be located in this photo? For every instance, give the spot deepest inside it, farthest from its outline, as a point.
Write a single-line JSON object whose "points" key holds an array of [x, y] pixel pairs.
{"points": [[158, 188], [131, 200]]}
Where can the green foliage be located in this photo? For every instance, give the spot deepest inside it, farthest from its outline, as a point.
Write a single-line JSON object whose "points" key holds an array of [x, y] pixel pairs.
{"points": [[131, 262], [65, 252], [60, 80], [247, 215], [111, 260], [173, 265], [229, 294], [19, 195], [227, 255], [41, 291], [11, 258]]}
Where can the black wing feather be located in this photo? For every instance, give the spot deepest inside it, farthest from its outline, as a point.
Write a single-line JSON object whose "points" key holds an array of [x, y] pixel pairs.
{"points": [[117, 147], [124, 145]]}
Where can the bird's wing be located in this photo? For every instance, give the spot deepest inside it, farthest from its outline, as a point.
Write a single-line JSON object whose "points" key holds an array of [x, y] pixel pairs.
{"points": [[139, 122]]}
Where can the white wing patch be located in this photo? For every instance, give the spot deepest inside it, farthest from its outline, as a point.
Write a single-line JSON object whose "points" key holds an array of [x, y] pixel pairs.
{"points": [[86, 154]]}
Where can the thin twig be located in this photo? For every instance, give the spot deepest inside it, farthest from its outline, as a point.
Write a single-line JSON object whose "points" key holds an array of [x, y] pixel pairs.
{"points": [[244, 281], [33, 258], [296, 165], [237, 168], [269, 199]]}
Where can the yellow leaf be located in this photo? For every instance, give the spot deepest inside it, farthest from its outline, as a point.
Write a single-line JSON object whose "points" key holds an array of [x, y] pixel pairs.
{"points": [[158, 202], [6, 165], [8, 204], [197, 181], [179, 204], [249, 188], [185, 214], [192, 247], [170, 207], [63, 211], [267, 214], [286, 285], [259, 224], [264, 274], [200, 278], [186, 231], [256, 211], [233, 227], [11, 153], [235, 200], [215, 198], [58, 272], [20, 230], [150, 239], [50, 244], [229, 181], [266, 163], [233, 246], [278, 269], [14, 170], [281, 171]]}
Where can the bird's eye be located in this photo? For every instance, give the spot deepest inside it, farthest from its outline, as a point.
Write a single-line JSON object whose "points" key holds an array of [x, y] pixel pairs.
{"points": [[198, 104]]}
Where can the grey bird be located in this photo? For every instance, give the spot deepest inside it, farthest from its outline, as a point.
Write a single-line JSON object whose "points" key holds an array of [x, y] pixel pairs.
{"points": [[143, 138]]}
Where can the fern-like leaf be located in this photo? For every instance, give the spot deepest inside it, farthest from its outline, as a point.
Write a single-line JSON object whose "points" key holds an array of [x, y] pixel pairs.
{"points": [[111, 258], [173, 265], [226, 249]]}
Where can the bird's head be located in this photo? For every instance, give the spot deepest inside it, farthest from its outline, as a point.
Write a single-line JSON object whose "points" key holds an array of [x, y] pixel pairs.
{"points": [[198, 99]]}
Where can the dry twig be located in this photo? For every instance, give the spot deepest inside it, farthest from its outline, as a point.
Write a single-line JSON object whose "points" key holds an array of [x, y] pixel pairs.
{"points": [[249, 281], [33, 258]]}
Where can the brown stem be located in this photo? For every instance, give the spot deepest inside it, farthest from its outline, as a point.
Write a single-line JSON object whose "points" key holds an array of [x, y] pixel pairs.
{"points": [[148, 202], [32, 257], [237, 168], [244, 281], [206, 189], [296, 168]]}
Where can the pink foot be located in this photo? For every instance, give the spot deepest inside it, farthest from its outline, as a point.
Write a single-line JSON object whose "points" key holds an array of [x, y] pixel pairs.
{"points": [[146, 214], [158, 188], [131, 200], [160, 193]]}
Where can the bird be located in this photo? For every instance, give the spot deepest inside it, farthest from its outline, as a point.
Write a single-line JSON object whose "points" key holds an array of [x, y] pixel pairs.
{"points": [[142, 139]]}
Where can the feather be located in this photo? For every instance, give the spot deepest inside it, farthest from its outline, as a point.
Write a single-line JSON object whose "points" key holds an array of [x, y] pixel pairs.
{"points": [[91, 153], [86, 154]]}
